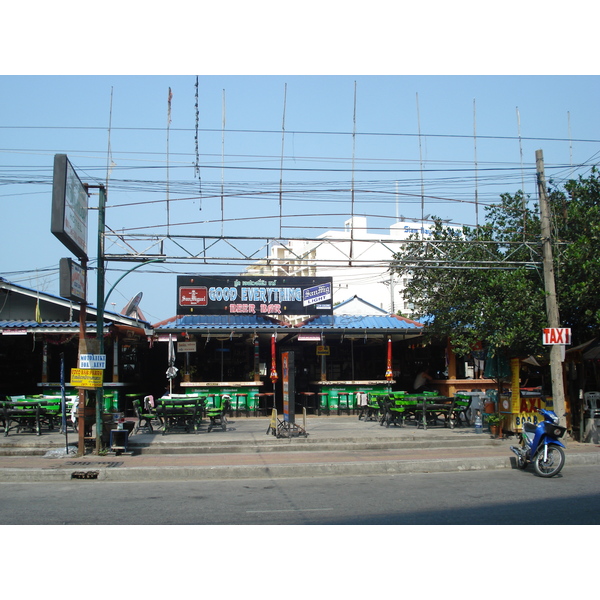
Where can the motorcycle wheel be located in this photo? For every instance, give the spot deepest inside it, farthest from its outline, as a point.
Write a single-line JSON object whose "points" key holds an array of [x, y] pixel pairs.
{"points": [[552, 465]]}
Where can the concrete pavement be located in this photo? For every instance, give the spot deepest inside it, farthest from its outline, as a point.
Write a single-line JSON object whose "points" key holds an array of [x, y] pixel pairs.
{"points": [[335, 445]]}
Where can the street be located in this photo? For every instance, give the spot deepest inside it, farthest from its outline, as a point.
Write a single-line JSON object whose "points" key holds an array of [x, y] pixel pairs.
{"points": [[507, 497]]}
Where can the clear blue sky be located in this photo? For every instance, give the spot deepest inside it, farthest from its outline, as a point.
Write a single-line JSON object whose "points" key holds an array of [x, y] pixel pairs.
{"points": [[409, 45], [42, 115]]}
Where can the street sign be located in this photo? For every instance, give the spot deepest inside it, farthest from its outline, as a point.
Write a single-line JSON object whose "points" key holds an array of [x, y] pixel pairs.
{"points": [[87, 378], [186, 346], [92, 361], [556, 335]]}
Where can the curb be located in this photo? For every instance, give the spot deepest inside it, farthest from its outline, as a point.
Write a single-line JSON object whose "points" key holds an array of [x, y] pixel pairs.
{"points": [[393, 467]]}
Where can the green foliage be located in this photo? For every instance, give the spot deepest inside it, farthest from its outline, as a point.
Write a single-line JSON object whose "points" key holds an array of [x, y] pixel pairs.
{"points": [[502, 307]]}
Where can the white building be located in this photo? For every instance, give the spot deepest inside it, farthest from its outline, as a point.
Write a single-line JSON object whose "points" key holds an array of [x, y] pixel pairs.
{"points": [[356, 260]]}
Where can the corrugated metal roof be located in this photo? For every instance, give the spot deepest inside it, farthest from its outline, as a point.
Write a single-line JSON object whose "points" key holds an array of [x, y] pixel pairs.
{"points": [[320, 322], [220, 322], [45, 325], [361, 322]]}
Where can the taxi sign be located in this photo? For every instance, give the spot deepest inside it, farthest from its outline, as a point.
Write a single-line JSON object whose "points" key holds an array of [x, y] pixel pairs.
{"points": [[556, 336], [87, 378]]}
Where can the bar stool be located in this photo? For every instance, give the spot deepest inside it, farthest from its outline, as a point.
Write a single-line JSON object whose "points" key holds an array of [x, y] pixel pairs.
{"points": [[253, 403], [343, 402], [310, 397], [241, 404], [323, 405], [265, 397]]}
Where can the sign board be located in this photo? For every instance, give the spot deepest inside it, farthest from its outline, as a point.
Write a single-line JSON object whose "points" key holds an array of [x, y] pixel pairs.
{"points": [[224, 295], [72, 280], [556, 335], [92, 361], [186, 346], [69, 221], [87, 378], [323, 351]]}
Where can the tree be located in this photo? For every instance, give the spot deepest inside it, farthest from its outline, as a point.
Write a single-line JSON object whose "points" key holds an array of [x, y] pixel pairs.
{"points": [[504, 307], [577, 222]]}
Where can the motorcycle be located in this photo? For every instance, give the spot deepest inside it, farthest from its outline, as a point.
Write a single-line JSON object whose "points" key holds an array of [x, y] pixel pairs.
{"points": [[540, 445]]}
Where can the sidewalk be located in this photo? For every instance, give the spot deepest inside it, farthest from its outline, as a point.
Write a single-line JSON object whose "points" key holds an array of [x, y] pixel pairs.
{"points": [[335, 445]]}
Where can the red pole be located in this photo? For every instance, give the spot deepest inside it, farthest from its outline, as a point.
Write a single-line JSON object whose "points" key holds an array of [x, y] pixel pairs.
{"points": [[388, 372], [274, 375]]}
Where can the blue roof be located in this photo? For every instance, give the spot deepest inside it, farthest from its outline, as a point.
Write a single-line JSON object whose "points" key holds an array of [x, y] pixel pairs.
{"points": [[361, 322], [320, 322], [220, 322], [46, 324]]}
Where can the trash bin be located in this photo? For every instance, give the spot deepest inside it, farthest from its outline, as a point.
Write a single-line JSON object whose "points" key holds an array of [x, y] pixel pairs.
{"points": [[119, 439]]}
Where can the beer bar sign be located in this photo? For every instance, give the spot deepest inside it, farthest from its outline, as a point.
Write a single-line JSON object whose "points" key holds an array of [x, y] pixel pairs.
{"points": [[556, 336], [247, 295]]}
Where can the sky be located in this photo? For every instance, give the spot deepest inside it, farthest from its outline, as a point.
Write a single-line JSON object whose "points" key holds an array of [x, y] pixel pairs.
{"points": [[278, 148], [92, 81]]}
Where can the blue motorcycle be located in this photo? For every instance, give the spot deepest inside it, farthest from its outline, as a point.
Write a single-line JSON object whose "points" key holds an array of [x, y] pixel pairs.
{"points": [[540, 445]]}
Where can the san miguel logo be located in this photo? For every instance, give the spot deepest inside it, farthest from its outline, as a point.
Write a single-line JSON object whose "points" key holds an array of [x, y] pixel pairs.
{"points": [[193, 296]]}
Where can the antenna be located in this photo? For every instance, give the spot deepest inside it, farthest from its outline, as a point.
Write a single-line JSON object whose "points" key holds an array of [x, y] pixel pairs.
{"points": [[421, 163], [281, 165], [353, 154], [475, 151], [197, 165], [170, 97], [222, 162]]}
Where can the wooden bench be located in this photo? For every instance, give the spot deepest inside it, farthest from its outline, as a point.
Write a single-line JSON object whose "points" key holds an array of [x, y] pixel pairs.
{"points": [[178, 414], [24, 415]]}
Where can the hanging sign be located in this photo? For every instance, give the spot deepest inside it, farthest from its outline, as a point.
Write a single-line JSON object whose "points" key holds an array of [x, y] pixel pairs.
{"points": [[186, 346], [92, 361], [556, 335], [69, 221], [222, 295], [323, 351], [87, 378]]}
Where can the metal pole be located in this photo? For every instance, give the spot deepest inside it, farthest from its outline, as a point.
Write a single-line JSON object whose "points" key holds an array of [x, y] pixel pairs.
{"points": [[556, 370], [100, 308]]}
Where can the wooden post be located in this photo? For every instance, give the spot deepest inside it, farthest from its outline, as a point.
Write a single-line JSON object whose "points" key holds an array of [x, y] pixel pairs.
{"points": [[81, 408]]}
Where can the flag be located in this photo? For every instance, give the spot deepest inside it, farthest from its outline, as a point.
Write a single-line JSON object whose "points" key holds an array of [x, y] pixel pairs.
{"points": [[172, 370], [38, 314], [389, 373], [273, 374]]}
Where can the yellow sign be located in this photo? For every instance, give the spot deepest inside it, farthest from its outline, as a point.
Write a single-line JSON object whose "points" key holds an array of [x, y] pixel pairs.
{"points": [[87, 378], [322, 350]]}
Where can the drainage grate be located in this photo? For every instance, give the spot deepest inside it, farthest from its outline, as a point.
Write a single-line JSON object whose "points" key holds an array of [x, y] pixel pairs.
{"points": [[85, 474], [87, 463]]}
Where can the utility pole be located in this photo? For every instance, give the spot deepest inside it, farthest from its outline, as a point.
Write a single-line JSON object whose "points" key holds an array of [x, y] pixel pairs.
{"points": [[556, 351]]}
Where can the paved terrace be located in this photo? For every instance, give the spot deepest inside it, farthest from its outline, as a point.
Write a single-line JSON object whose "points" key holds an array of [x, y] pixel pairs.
{"points": [[335, 445]]}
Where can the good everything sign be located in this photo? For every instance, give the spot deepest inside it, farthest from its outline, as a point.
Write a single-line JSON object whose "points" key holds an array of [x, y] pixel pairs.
{"points": [[254, 295]]}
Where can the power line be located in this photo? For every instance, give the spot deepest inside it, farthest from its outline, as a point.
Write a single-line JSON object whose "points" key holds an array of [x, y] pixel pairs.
{"points": [[299, 132]]}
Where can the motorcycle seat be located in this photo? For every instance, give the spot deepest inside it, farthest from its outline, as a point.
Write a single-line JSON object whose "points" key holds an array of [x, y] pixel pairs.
{"points": [[529, 427]]}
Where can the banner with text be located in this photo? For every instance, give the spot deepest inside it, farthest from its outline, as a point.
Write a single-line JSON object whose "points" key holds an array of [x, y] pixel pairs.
{"points": [[268, 296]]}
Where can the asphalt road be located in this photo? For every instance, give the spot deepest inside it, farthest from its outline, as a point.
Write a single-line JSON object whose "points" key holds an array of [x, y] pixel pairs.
{"points": [[503, 497]]}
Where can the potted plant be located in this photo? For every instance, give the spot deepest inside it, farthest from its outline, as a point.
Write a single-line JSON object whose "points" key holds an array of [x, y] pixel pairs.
{"points": [[494, 421]]}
